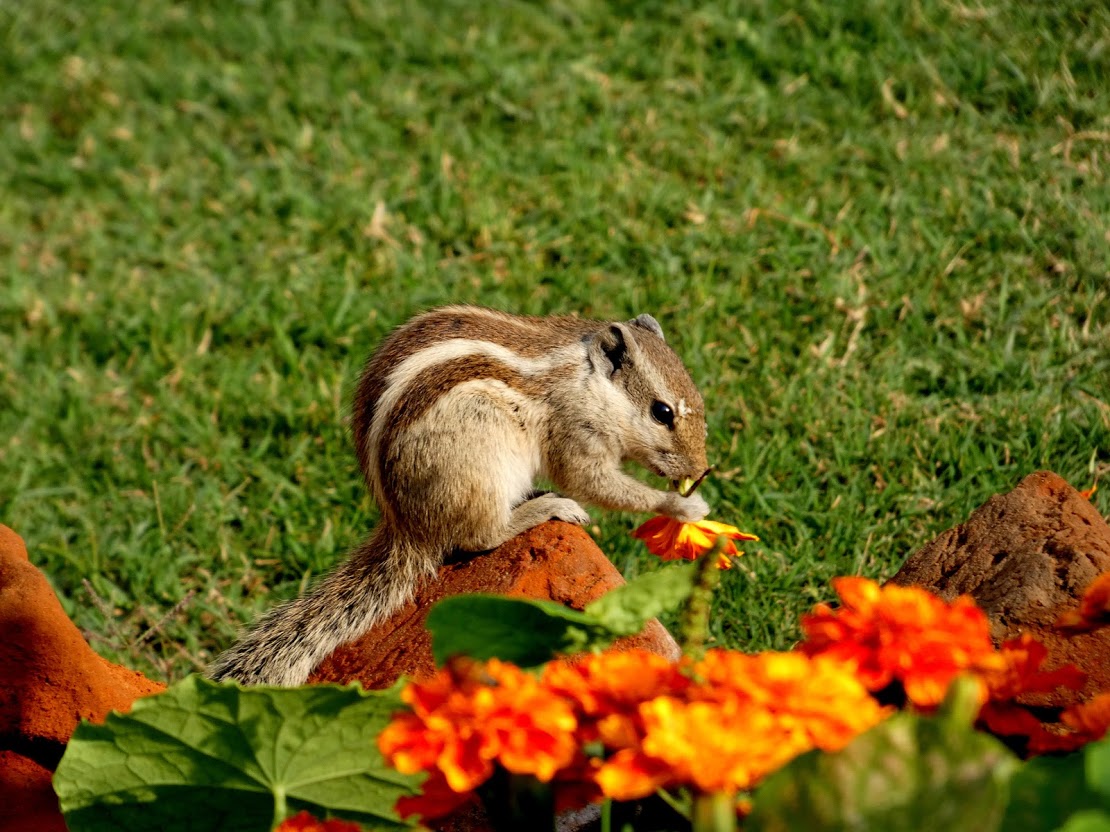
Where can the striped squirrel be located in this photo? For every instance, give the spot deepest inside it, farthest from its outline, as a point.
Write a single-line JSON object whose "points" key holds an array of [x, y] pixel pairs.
{"points": [[455, 415]]}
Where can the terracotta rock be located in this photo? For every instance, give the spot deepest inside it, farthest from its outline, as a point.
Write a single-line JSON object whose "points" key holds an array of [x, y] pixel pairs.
{"points": [[50, 679], [1026, 557], [555, 561], [27, 796]]}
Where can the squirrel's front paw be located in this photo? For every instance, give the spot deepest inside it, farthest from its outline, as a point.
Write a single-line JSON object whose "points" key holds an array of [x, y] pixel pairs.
{"points": [[567, 510], [686, 509]]}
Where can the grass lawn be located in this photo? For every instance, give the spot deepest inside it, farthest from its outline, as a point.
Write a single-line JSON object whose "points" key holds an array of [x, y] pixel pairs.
{"points": [[878, 233]]}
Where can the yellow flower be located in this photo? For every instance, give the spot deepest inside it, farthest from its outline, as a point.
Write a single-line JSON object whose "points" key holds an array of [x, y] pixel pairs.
{"points": [[673, 540]]}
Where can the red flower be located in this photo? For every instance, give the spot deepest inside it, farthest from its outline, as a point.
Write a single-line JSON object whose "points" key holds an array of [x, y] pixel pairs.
{"points": [[304, 822]]}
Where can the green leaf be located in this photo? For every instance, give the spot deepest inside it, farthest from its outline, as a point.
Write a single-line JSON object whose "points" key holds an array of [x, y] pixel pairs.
{"points": [[909, 773], [1097, 756], [625, 610], [221, 757], [1090, 820], [1045, 791], [525, 632]]}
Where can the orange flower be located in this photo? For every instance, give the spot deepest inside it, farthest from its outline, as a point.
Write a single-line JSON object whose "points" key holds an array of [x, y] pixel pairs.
{"points": [[1091, 719], [821, 700], [1084, 723], [903, 634], [470, 716], [1021, 671], [1094, 609], [1002, 715], [436, 799], [304, 822], [673, 540], [745, 717], [1088, 493], [608, 688]]}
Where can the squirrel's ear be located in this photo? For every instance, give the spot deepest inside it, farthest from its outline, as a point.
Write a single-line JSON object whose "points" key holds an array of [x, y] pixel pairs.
{"points": [[611, 344], [650, 324]]}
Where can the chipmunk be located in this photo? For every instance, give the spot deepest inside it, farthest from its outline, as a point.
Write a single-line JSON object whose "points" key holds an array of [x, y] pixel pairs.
{"points": [[455, 416]]}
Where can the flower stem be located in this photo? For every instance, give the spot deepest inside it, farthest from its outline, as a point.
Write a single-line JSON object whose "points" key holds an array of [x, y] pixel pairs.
{"points": [[715, 812], [280, 807], [694, 627]]}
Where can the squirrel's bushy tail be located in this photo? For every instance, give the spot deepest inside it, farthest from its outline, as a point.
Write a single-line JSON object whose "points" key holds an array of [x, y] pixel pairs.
{"points": [[287, 643]]}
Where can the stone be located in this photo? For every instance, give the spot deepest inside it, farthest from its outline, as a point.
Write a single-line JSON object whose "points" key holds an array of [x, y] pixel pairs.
{"points": [[1026, 557], [50, 679], [555, 561], [27, 796]]}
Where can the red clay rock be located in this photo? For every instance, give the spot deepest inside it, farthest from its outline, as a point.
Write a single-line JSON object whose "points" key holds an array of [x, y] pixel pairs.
{"points": [[555, 561], [50, 679], [1026, 557], [27, 796]]}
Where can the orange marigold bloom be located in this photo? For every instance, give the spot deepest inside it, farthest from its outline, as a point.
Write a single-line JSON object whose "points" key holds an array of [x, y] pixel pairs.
{"points": [[1084, 723], [436, 799], [672, 539], [821, 700], [1091, 719], [608, 688], [304, 822], [1094, 609], [905, 634], [471, 715], [1021, 673], [743, 718]]}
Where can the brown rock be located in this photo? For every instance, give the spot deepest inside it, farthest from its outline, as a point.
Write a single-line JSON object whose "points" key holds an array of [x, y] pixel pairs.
{"points": [[27, 796], [50, 679], [555, 561], [1026, 557]]}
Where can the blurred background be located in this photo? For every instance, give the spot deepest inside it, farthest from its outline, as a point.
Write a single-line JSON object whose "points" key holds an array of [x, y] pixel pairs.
{"points": [[877, 233]]}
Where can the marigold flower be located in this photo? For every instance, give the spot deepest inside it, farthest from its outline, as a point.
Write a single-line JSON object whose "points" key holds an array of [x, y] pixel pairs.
{"points": [[1091, 719], [1001, 714], [672, 539], [304, 822], [1081, 724], [742, 718], [470, 716], [436, 799], [1093, 611], [608, 688], [821, 700], [905, 634]]}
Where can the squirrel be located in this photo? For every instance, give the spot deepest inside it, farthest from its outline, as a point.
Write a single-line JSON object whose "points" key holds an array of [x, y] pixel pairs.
{"points": [[455, 415]]}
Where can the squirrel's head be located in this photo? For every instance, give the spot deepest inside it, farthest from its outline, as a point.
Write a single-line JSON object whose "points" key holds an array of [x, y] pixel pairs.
{"points": [[652, 398]]}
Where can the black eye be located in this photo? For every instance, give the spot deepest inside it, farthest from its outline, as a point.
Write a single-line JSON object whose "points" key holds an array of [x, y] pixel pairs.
{"points": [[663, 414]]}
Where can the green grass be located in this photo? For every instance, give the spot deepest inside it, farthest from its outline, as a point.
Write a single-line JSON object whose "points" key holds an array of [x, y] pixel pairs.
{"points": [[877, 233]]}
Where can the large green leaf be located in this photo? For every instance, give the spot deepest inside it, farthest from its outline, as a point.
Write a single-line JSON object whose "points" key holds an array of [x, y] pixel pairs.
{"points": [[529, 632], [1089, 820], [525, 632], [625, 610], [1097, 769], [203, 756], [1046, 791], [910, 773]]}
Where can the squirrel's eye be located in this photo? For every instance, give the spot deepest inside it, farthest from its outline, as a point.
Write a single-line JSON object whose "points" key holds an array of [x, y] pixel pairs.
{"points": [[663, 414]]}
